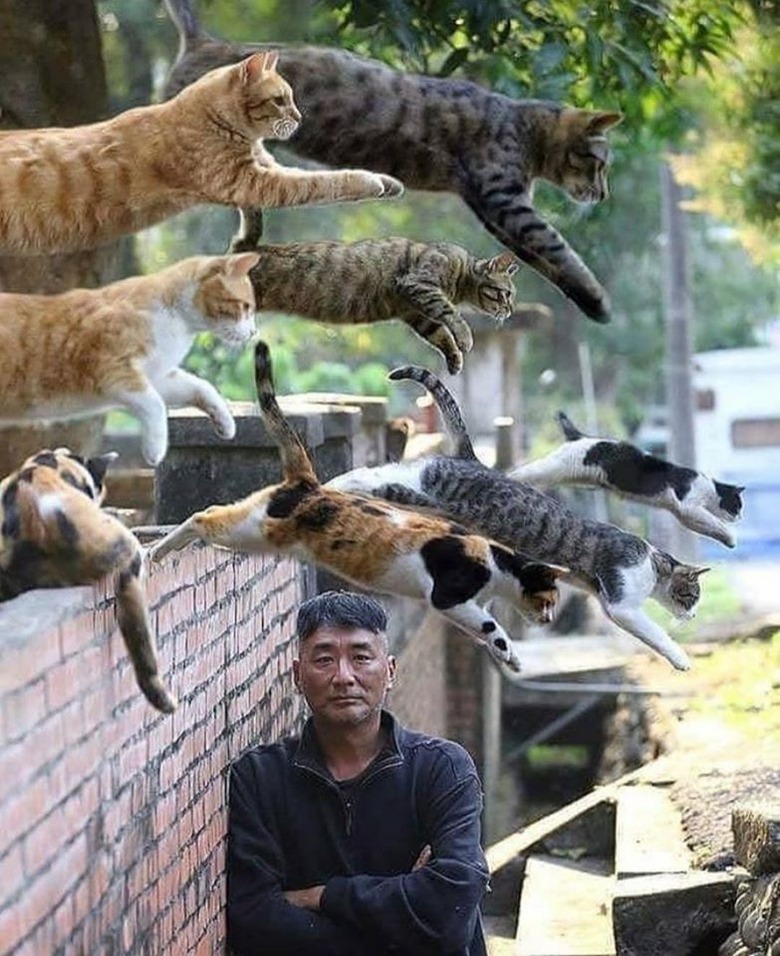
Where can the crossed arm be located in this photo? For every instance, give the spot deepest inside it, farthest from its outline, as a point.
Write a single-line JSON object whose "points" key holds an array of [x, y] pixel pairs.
{"points": [[431, 909]]}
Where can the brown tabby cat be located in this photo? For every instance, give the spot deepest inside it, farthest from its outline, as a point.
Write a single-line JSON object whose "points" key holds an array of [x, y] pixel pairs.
{"points": [[378, 279], [373, 544], [88, 350], [67, 189], [53, 534], [437, 134]]}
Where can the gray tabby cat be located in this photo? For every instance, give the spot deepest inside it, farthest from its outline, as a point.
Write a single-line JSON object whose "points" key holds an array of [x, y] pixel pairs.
{"points": [[378, 279], [435, 134], [697, 501], [619, 568]]}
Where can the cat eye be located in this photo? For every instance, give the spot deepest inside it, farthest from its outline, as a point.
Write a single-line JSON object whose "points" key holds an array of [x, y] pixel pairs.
{"points": [[278, 101]]}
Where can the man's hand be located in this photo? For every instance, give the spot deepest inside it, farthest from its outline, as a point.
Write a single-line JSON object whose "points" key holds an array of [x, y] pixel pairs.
{"points": [[425, 855], [308, 899]]}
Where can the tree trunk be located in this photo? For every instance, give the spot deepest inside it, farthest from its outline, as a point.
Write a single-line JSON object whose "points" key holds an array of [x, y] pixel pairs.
{"points": [[53, 75]]}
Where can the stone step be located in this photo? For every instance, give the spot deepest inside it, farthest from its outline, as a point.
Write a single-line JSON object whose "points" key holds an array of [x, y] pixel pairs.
{"points": [[672, 914], [565, 908], [649, 836]]}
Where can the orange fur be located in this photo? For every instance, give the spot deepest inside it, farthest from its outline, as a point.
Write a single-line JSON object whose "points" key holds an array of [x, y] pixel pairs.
{"points": [[86, 350], [68, 189]]}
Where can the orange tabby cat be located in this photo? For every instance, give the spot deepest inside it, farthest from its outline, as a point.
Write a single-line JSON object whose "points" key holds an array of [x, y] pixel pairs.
{"points": [[88, 350], [67, 189]]}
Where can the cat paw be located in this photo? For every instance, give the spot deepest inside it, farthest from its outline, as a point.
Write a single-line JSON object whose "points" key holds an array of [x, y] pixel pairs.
{"points": [[454, 362], [224, 424], [390, 187], [154, 447]]}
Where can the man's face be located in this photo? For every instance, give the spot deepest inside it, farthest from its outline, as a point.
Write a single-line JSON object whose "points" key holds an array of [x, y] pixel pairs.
{"points": [[344, 674]]}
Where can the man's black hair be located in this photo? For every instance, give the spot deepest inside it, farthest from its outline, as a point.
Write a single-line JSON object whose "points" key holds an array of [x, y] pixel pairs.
{"points": [[340, 609]]}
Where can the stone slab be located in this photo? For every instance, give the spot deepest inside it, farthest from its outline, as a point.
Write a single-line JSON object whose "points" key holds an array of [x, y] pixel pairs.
{"points": [[649, 836], [756, 832], [672, 914]]}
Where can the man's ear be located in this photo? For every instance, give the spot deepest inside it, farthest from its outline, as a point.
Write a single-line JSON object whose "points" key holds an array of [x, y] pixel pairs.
{"points": [[297, 674], [391, 665]]}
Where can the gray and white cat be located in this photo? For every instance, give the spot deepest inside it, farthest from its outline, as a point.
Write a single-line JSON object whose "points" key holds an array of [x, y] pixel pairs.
{"points": [[697, 501], [620, 569]]}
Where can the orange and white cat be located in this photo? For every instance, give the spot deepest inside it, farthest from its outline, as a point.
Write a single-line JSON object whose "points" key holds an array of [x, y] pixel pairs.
{"points": [[89, 350], [68, 189]]}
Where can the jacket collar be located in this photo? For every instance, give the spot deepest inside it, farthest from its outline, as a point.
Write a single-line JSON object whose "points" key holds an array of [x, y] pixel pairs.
{"points": [[308, 755]]}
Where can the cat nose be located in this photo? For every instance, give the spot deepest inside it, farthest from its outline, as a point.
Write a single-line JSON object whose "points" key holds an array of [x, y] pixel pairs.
{"points": [[295, 114]]}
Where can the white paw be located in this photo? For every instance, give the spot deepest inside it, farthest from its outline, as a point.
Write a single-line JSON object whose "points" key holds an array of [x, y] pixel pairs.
{"points": [[154, 446], [224, 423]]}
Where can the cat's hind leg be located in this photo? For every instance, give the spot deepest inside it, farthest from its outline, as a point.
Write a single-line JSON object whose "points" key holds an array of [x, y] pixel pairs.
{"points": [[250, 230], [700, 520], [149, 408], [485, 630], [636, 622], [180, 388]]}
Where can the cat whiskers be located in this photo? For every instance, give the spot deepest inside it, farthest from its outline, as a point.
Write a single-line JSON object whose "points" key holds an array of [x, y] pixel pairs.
{"points": [[283, 129]]}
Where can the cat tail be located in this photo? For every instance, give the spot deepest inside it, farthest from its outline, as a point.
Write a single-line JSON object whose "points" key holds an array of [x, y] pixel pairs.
{"points": [[296, 464], [569, 429], [450, 412], [133, 620], [191, 33]]}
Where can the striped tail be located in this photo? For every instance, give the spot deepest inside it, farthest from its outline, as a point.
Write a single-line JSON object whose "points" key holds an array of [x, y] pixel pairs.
{"points": [[450, 412], [295, 462], [569, 429]]}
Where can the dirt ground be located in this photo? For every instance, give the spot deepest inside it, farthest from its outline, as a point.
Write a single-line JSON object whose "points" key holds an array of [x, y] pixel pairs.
{"points": [[724, 735]]}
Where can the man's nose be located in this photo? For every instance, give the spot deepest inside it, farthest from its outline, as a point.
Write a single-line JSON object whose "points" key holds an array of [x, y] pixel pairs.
{"points": [[344, 673]]}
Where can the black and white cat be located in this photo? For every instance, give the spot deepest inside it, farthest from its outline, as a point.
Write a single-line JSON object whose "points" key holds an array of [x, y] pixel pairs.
{"points": [[697, 501], [620, 569]]}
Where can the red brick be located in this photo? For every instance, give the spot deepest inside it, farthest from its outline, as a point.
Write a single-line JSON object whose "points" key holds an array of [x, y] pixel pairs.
{"points": [[23, 810], [24, 709], [11, 928]]}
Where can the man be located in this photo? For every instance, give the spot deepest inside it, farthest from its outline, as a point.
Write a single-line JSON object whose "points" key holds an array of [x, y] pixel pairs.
{"points": [[361, 838]]}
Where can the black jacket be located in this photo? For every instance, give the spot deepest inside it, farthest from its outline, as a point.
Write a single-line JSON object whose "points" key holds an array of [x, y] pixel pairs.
{"points": [[292, 826]]}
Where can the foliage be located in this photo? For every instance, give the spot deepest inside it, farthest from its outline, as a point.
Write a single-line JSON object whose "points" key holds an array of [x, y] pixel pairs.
{"points": [[733, 156]]}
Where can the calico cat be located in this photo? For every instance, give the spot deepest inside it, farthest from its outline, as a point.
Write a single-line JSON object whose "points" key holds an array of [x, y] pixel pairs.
{"points": [[88, 350], [68, 189], [620, 569], [437, 134], [378, 279], [53, 534], [373, 544], [698, 502]]}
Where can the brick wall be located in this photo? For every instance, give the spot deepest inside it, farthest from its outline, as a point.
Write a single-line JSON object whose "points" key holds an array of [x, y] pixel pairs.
{"points": [[419, 695], [112, 816]]}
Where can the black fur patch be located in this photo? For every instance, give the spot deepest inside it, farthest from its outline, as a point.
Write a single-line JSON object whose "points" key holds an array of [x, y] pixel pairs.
{"points": [[68, 530], [729, 497], [536, 577], [488, 627], [47, 458], [25, 569], [11, 517], [633, 471], [27, 474], [82, 486], [507, 560], [457, 577], [318, 516], [287, 499]]}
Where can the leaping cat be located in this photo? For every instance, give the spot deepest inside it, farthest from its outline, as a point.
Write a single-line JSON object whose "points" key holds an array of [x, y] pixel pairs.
{"points": [[697, 501], [620, 569], [374, 544]]}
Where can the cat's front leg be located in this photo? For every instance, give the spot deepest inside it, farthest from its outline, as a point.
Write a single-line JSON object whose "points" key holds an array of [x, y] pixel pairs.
{"points": [[435, 319], [700, 520], [180, 389], [484, 629], [178, 538], [514, 222], [149, 408], [275, 186], [636, 622]]}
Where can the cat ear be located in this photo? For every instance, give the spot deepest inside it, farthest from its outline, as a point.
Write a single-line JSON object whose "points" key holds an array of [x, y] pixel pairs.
{"points": [[698, 571], [504, 262], [98, 466], [253, 67], [556, 570], [600, 122], [240, 265]]}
